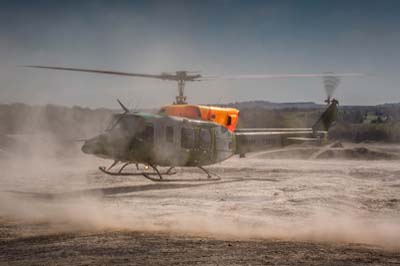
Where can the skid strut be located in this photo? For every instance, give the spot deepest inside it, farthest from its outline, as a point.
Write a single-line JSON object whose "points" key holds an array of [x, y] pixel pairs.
{"points": [[205, 171]]}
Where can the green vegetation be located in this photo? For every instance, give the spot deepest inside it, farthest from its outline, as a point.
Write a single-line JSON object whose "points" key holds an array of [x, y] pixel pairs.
{"points": [[388, 132], [353, 123], [77, 122]]}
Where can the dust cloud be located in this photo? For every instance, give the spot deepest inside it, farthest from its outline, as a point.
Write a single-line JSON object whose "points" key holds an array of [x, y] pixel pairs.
{"points": [[352, 201], [91, 214]]}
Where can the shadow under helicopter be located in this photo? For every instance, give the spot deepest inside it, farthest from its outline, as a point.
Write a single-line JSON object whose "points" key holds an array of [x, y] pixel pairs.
{"points": [[112, 191]]}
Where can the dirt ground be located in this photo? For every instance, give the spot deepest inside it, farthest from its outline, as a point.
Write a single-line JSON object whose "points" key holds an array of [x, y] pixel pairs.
{"points": [[263, 211], [145, 248]]}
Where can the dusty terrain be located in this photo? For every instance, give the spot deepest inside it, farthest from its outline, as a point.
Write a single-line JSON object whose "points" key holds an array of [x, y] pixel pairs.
{"points": [[296, 211]]}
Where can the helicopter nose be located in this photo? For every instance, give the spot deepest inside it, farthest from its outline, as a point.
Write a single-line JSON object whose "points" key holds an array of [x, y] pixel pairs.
{"points": [[92, 146], [86, 147]]}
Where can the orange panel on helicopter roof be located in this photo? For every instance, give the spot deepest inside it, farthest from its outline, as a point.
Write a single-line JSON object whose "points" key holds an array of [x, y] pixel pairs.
{"points": [[227, 117], [182, 110]]}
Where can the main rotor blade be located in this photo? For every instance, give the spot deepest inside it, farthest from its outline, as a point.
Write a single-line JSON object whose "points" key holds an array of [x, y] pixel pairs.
{"points": [[163, 76], [183, 76], [283, 76]]}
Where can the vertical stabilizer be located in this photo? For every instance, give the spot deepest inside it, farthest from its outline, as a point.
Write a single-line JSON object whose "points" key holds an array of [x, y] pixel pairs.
{"points": [[328, 117]]}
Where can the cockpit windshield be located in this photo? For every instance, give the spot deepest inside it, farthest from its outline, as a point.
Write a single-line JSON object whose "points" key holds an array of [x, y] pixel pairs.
{"points": [[126, 122], [114, 123]]}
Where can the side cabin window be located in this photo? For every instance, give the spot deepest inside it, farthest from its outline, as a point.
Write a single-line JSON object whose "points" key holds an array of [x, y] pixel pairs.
{"points": [[169, 134], [205, 138], [187, 138], [147, 134]]}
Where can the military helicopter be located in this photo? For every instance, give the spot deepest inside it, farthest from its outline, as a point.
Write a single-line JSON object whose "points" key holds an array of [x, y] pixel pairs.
{"points": [[183, 135]]}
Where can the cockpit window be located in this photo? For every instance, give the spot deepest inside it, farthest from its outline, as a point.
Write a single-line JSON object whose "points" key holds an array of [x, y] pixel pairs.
{"points": [[148, 133], [187, 138]]}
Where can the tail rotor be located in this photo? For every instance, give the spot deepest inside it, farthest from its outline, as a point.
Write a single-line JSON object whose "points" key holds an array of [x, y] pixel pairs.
{"points": [[328, 117], [331, 82]]}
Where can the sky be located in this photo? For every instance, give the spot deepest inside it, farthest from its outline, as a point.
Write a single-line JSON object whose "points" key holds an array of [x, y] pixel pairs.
{"points": [[218, 37]]}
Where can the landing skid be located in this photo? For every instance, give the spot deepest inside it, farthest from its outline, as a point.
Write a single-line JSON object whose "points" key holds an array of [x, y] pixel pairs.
{"points": [[113, 173], [156, 175]]}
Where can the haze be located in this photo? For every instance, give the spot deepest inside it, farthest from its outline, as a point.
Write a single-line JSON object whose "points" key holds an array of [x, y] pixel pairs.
{"points": [[214, 37]]}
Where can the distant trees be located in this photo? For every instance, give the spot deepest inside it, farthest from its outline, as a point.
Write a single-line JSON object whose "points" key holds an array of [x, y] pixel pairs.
{"points": [[78, 122], [61, 121], [351, 122]]}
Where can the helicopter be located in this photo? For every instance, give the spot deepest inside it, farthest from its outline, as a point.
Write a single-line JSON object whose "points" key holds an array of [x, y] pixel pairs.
{"points": [[183, 135]]}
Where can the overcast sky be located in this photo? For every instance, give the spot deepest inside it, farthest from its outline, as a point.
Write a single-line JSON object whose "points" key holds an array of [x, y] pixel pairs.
{"points": [[219, 37]]}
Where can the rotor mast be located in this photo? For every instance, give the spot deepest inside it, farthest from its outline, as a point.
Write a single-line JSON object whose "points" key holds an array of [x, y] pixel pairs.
{"points": [[181, 77], [181, 98]]}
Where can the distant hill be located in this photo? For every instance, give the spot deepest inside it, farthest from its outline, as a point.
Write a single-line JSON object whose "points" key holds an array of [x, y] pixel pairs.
{"points": [[272, 105], [389, 105], [303, 105]]}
